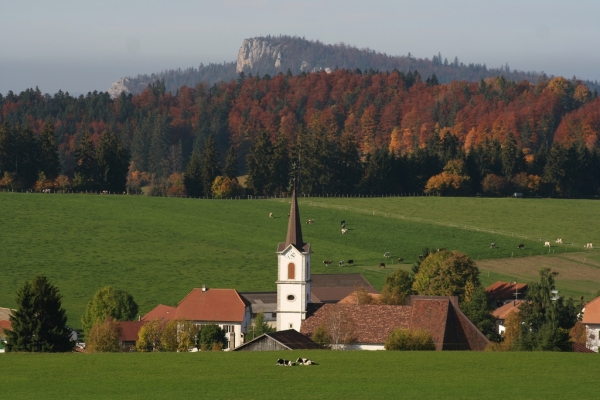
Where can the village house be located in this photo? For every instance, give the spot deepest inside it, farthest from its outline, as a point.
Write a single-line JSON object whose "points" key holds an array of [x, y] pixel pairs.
{"points": [[591, 320], [289, 339], [501, 293], [501, 313], [202, 306], [370, 325]]}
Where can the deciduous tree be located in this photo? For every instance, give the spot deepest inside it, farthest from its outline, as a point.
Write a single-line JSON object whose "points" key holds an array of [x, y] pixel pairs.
{"points": [[108, 302]]}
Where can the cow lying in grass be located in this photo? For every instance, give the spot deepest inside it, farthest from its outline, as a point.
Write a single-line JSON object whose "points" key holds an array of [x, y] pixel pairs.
{"points": [[285, 363], [305, 361]]}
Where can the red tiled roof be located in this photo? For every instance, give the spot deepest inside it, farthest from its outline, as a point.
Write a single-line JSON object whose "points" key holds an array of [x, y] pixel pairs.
{"points": [[4, 325], [372, 323], [506, 290], [213, 305], [448, 326], [130, 330], [505, 310], [591, 314], [579, 348], [351, 298], [162, 312]]}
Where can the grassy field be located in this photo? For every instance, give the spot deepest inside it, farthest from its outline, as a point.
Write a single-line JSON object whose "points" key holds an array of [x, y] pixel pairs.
{"points": [[368, 375], [158, 249]]}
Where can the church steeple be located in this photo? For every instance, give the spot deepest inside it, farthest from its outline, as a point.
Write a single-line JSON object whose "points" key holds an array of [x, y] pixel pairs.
{"points": [[294, 232]]}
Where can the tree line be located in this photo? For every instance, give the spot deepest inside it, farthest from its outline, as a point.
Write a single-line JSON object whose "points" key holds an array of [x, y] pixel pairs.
{"points": [[345, 132]]}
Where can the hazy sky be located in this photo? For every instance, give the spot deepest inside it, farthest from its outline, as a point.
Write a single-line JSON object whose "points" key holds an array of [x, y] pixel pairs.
{"points": [[82, 45]]}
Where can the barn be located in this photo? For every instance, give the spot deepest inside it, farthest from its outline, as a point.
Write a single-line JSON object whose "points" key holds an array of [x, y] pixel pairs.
{"points": [[289, 339]]}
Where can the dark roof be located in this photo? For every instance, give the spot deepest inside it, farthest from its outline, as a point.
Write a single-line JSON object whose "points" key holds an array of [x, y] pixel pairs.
{"points": [[294, 232], [331, 288], [372, 324], [261, 301], [290, 338], [506, 290], [130, 330]]}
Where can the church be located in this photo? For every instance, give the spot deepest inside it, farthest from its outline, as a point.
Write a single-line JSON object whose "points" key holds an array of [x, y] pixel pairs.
{"points": [[303, 303]]}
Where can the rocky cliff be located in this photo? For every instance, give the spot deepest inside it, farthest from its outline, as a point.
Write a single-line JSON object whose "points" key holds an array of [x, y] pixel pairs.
{"points": [[258, 51]]}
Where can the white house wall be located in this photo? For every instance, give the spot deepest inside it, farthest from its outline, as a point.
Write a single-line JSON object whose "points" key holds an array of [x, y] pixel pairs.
{"points": [[592, 334]]}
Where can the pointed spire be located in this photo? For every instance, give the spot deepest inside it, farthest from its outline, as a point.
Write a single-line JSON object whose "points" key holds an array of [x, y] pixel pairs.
{"points": [[294, 232]]}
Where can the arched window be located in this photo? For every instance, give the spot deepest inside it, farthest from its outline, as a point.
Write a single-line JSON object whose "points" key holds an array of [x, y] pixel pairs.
{"points": [[291, 271]]}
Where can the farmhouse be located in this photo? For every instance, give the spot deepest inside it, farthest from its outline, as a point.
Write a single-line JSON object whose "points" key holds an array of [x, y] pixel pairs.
{"points": [[368, 326], [129, 334], [591, 320], [289, 339], [503, 292], [501, 313], [202, 306]]}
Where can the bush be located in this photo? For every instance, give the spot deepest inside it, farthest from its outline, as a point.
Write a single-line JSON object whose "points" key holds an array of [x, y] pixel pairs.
{"points": [[409, 339], [320, 336], [494, 185], [211, 334], [104, 337]]}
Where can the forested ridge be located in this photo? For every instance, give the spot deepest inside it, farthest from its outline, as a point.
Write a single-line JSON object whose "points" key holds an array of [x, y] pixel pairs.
{"points": [[275, 54], [345, 131]]}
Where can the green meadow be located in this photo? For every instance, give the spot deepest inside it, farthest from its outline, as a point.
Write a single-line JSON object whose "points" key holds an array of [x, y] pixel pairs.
{"points": [[356, 375], [158, 249]]}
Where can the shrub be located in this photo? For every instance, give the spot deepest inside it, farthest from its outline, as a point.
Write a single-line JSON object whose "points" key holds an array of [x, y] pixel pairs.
{"points": [[211, 334], [409, 339], [495, 185], [104, 337], [320, 336]]}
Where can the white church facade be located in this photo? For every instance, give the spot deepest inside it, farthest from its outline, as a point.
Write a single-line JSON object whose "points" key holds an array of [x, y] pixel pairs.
{"points": [[293, 274]]}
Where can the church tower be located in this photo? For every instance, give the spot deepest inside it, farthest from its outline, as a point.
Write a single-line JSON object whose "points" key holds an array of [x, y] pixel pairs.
{"points": [[293, 274]]}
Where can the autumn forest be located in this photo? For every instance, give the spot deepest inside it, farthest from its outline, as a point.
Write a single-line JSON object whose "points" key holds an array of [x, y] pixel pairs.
{"points": [[344, 132]]}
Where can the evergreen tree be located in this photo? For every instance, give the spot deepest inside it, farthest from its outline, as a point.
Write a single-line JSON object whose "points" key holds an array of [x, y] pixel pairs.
{"points": [[27, 155], [140, 145], [554, 170], [231, 162], [113, 163], [192, 179], [510, 156], [479, 311], [258, 163], [86, 170], [49, 162], [39, 323], [280, 166], [7, 162], [159, 144], [349, 170], [209, 163]]}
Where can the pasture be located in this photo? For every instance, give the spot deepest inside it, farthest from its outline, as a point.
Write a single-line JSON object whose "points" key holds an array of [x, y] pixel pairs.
{"points": [[158, 249], [368, 375]]}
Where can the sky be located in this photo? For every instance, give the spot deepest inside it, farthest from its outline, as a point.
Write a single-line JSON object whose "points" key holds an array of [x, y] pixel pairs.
{"points": [[81, 46]]}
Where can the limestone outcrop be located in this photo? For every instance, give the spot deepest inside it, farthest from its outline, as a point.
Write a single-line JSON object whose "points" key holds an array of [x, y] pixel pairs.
{"points": [[258, 50]]}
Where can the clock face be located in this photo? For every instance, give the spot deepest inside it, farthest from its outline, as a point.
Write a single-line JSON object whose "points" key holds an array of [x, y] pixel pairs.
{"points": [[291, 255]]}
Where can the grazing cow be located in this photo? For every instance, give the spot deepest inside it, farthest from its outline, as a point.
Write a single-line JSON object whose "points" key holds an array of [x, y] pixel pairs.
{"points": [[341, 263], [280, 361], [350, 262], [589, 246], [343, 222], [386, 254], [521, 246], [327, 262], [286, 363], [492, 245], [270, 215], [310, 221], [400, 259], [105, 192], [546, 244], [344, 231], [442, 249], [559, 240], [381, 265], [343, 226], [46, 191]]}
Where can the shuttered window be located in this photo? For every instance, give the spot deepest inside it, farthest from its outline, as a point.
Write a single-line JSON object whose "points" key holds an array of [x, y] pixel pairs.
{"points": [[291, 271]]}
